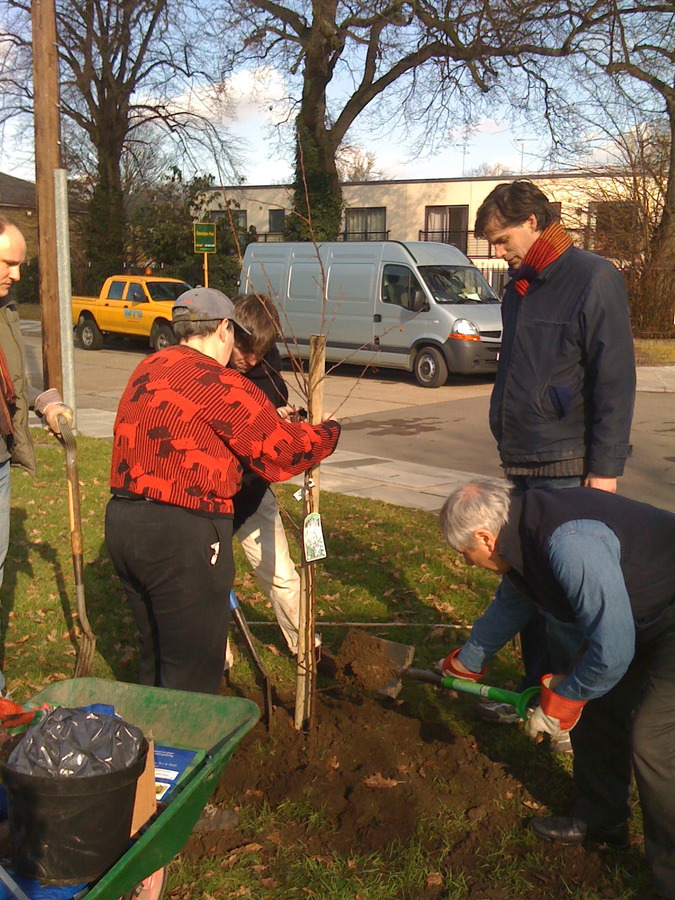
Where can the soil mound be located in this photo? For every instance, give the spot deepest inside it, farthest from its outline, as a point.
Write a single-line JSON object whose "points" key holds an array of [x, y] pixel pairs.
{"points": [[372, 772]]}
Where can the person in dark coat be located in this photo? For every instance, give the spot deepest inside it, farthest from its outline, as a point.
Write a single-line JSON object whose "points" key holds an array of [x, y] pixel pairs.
{"points": [[601, 568], [562, 403], [257, 521]]}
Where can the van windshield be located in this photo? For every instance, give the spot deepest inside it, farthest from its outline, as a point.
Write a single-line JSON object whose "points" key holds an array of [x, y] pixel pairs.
{"points": [[457, 284]]}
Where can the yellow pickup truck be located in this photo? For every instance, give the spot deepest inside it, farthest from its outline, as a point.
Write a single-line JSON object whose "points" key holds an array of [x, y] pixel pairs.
{"points": [[133, 305]]}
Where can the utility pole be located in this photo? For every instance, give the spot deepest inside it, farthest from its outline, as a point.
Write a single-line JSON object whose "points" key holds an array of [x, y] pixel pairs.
{"points": [[522, 142], [47, 160]]}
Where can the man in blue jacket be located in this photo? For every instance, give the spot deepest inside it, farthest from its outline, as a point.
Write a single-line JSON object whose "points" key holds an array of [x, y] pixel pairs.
{"points": [[562, 404], [602, 570]]}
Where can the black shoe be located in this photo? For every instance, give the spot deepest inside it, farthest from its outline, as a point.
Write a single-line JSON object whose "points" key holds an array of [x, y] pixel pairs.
{"points": [[494, 711], [569, 830]]}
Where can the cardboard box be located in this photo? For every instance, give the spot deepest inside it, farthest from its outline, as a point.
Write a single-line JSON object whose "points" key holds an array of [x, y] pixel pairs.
{"points": [[145, 805]]}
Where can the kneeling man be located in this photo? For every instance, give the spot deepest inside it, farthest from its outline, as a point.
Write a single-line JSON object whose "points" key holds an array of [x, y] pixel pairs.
{"points": [[602, 569]]}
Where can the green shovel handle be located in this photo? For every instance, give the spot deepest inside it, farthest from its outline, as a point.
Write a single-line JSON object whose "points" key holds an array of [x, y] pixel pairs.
{"points": [[520, 701]]}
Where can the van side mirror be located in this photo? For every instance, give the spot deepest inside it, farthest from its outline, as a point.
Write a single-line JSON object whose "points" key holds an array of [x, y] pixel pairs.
{"points": [[419, 303]]}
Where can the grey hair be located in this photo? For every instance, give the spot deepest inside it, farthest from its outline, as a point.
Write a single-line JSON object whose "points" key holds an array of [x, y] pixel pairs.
{"points": [[473, 506]]}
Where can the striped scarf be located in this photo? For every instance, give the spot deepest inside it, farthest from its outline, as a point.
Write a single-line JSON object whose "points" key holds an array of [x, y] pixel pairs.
{"points": [[7, 397], [550, 244]]}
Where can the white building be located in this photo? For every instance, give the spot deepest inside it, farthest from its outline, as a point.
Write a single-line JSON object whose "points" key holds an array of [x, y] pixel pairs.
{"points": [[438, 209]]}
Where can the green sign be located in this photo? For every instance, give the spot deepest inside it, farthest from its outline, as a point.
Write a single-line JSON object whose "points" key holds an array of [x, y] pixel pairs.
{"points": [[205, 237]]}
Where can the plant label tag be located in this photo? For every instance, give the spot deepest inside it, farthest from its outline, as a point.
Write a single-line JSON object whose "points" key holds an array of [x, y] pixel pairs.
{"points": [[314, 545]]}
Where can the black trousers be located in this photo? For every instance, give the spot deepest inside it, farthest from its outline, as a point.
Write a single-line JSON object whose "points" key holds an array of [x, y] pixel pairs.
{"points": [[635, 722], [177, 570]]}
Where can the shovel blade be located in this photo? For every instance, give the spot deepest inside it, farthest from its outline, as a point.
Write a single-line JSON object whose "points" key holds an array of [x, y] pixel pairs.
{"points": [[374, 663], [401, 657]]}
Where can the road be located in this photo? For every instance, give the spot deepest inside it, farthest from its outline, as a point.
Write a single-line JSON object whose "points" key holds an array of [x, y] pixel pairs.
{"points": [[387, 415]]}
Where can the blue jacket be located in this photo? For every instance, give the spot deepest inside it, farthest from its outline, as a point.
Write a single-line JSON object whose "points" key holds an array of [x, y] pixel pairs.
{"points": [[601, 568], [565, 383]]}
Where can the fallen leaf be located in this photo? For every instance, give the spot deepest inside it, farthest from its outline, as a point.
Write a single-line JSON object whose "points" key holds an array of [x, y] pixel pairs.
{"points": [[273, 650], [438, 632], [379, 782], [434, 879], [269, 883], [249, 848], [333, 763], [22, 640], [531, 804]]}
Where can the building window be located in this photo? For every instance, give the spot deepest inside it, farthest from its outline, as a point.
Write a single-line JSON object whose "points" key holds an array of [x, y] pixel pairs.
{"points": [[447, 225], [367, 224], [277, 219], [236, 216]]}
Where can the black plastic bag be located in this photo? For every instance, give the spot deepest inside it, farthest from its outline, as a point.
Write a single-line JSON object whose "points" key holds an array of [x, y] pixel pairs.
{"points": [[76, 742]]}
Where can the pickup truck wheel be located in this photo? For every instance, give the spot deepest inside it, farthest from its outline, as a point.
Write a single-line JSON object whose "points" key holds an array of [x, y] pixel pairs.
{"points": [[430, 367], [89, 334], [164, 337]]}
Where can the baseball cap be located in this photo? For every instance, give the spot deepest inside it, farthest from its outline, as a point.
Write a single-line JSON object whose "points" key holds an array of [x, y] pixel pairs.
{"points": [[204, 304]]}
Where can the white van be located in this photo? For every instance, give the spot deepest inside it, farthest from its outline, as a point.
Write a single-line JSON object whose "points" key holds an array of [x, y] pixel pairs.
{"points": [[413, 305]]}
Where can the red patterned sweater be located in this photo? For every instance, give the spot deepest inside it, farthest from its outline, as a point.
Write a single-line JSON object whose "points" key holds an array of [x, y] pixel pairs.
{"points": [[186, 426]]}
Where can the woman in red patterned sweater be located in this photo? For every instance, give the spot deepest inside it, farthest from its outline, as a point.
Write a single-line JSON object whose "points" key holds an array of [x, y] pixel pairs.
{"points": [[186, 428]]}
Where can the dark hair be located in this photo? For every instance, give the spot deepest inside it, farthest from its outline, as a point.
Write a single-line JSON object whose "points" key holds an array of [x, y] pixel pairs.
{"points": [[184, 328], [258, 315], [513, 204]]}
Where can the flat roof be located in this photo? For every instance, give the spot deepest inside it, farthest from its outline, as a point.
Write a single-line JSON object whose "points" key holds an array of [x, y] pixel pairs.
{"points": [[540, 176]]}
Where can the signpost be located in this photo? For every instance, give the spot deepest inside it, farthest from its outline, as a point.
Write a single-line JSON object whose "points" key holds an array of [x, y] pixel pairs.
{"points": [[204, 234]]}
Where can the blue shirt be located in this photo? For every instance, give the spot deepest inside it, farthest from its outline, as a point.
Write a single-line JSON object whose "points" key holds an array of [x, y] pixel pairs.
{"points": [[585, 557]]}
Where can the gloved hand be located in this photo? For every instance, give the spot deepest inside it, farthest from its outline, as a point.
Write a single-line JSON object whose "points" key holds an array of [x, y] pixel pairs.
{"points": [[555, 715], [451, 666], [50, 405]]}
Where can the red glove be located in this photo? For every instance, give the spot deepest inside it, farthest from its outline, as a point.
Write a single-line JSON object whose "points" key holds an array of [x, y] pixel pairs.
{"points": [[555, 714], [448, 667]]}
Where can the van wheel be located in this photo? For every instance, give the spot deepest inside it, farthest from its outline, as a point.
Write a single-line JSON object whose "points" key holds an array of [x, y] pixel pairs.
{"points": [[431, 369], [89, 334], [164, 337]]}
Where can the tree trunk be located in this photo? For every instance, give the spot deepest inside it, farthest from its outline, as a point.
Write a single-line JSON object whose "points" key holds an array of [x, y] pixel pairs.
{"points": [[317, 194], [107, 225]]}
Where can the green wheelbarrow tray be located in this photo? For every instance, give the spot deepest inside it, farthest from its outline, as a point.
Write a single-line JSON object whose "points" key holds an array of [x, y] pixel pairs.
{"points": [[203, 721]]}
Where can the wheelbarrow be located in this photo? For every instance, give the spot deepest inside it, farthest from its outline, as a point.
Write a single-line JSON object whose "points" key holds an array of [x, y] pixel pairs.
{"points": [[214, 724]]}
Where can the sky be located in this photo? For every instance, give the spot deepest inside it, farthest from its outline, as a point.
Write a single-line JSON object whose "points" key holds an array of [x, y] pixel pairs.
{"points": [[256, 117], [259, 107]]}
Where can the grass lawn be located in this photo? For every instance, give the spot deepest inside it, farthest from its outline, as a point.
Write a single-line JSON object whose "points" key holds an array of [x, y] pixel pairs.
{"points": [[385, 565]]}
